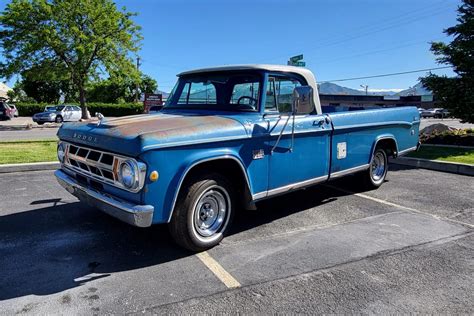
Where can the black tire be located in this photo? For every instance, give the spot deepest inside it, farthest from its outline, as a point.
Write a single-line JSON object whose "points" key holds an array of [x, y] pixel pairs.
{"points": [[375, 176], [59, 119], [40, 123], [196, 201]]}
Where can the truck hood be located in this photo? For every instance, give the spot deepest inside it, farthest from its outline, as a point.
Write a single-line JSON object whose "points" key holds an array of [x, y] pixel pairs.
{"points": [[132, 135]]}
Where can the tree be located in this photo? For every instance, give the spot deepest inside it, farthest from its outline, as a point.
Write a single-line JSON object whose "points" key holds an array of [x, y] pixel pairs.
{"points": [[456, 93], [114, 90], [81, 37], [17, 94]]}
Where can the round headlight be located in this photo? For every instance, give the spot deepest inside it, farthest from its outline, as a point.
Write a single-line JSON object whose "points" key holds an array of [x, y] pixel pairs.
{"points": [[61, 152], [127, 174]]}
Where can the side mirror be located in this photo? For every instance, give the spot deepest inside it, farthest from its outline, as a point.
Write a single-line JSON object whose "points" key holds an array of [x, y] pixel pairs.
{"points": [[303, 101]]}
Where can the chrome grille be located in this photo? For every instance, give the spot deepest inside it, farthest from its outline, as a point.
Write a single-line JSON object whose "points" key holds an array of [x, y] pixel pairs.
{"points": [[96, 164], [92, 162], [100, 165]]}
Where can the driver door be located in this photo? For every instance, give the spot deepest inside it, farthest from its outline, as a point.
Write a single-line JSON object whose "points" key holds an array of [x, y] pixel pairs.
{"points": [[301, 156]]}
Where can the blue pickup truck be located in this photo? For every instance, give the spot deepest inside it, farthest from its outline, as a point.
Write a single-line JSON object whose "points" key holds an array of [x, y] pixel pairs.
{"points": [[226, 138]]}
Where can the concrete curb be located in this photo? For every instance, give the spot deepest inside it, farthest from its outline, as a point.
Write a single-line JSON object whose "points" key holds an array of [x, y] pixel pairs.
{"points": [[35, 166], [444, 166]]}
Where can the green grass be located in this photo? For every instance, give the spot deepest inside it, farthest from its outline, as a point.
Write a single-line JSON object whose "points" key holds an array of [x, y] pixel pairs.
{"points": [[27, 151], [461, 155]]}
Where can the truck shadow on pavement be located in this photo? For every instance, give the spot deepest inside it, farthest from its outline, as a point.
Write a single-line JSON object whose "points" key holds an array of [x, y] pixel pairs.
{"points": [[52, 249], [62, 246]]}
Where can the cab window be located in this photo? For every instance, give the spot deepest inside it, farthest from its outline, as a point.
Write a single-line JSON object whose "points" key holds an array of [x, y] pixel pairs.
{"points": [[280, 93]]}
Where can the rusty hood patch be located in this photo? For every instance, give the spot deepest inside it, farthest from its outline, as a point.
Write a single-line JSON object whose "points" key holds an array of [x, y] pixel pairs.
{"points": [[134, 134]]}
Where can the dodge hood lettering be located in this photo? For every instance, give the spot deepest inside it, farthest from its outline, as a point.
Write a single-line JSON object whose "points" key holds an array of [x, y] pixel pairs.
{"points": [[132, 135]]}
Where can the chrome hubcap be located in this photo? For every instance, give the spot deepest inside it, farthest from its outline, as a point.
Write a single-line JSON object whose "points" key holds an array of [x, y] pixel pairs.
{"points": [[378, 167], [211, 211]]}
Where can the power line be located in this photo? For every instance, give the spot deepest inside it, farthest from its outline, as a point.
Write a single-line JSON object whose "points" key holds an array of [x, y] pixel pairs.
{"points": [[386, 75], [372, 28]]}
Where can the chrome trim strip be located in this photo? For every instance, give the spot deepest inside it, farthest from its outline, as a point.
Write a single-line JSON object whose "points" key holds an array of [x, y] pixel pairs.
{"points": [[355, 126], [289, 187], [203, 161], [318, 131], [193, 142], [260, 195], [348, 171], [136, 215], [406, 151]]}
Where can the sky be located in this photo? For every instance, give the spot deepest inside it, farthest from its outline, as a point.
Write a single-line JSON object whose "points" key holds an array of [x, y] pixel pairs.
{"points": [[338, 38]]}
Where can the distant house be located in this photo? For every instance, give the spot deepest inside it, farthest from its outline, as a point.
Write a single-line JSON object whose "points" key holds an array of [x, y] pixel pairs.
{"points": [[3, 90]]}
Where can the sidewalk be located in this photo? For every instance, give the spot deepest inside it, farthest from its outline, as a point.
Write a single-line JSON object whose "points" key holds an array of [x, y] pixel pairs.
{"points": [[24, 122]]}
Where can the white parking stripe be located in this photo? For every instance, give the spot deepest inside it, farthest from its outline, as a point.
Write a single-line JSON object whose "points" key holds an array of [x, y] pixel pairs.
{"points": [[218, 270], [398, 205]]}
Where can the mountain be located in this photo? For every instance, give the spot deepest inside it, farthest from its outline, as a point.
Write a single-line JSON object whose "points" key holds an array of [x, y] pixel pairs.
{"points": [[332, 88], [164, 94], [417, 89]]}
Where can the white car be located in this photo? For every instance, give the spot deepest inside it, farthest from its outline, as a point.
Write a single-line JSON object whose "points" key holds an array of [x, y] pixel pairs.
{"points": [[61, 113], [435, 112]]}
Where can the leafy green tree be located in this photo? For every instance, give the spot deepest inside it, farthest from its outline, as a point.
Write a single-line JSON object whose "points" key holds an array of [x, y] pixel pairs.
{"points": [[117, 91], [81, 37], [456, 93], [17, 94]]}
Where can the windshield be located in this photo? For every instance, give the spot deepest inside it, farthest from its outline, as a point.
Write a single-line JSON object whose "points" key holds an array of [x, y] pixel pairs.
{"points": [[218, 91]]}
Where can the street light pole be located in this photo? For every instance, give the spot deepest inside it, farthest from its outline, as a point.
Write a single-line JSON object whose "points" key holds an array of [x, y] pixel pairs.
{"points": [[366, 88]]}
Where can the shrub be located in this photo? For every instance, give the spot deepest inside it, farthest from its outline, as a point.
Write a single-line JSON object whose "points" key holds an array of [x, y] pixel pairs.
{"points": [[107, 109], [459, 137]]}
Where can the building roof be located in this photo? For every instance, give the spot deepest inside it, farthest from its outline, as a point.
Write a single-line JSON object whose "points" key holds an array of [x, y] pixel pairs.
{"points": [[305, 73]]}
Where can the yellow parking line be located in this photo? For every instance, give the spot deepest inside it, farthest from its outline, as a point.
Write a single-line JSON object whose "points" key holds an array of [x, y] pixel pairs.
{"points": [[218, 270], [368, 197]]}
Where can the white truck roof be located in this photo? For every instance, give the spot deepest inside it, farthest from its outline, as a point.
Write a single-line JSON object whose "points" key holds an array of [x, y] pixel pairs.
{"points": [[305, 73]]}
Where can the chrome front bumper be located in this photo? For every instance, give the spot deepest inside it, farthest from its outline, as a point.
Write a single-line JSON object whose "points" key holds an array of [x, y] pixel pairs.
{"points": [[136, 215]]}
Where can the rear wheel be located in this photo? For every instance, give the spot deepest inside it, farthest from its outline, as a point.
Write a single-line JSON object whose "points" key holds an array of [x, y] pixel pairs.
{"points": [[203, 212], [40, 123], [375, 175]]}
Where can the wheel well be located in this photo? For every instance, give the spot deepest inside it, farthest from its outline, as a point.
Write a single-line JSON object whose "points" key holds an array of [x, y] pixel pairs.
{"points": [[229, 168], [389, 145]]}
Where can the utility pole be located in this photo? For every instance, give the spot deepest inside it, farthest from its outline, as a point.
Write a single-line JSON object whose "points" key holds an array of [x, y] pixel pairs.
{"points": [[366, 88], [137, 85]]}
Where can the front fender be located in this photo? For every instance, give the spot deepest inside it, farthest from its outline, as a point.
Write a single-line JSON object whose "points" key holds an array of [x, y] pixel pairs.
{"points": [[173, 165]]}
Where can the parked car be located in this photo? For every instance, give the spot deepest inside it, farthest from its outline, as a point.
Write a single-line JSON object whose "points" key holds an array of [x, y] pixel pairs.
{"points": [[226, 138], [155, 109], [435, 112], [61, 113], [6, 112], [15, 110]]}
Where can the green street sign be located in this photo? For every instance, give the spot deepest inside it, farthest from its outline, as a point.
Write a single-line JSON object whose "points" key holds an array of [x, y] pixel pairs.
{"points": [[294, 59], [299, 64]]}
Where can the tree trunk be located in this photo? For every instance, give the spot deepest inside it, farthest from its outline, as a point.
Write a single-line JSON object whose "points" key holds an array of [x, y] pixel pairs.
{"points": [[82, 100]]}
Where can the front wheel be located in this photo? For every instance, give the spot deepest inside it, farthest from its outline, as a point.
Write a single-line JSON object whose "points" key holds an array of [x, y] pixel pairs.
{"points": [[59, 119], [375, 175], [203, 212]]}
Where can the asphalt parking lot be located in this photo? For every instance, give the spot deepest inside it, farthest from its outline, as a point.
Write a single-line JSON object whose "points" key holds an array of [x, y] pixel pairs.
{"points": [[407, 247]]}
